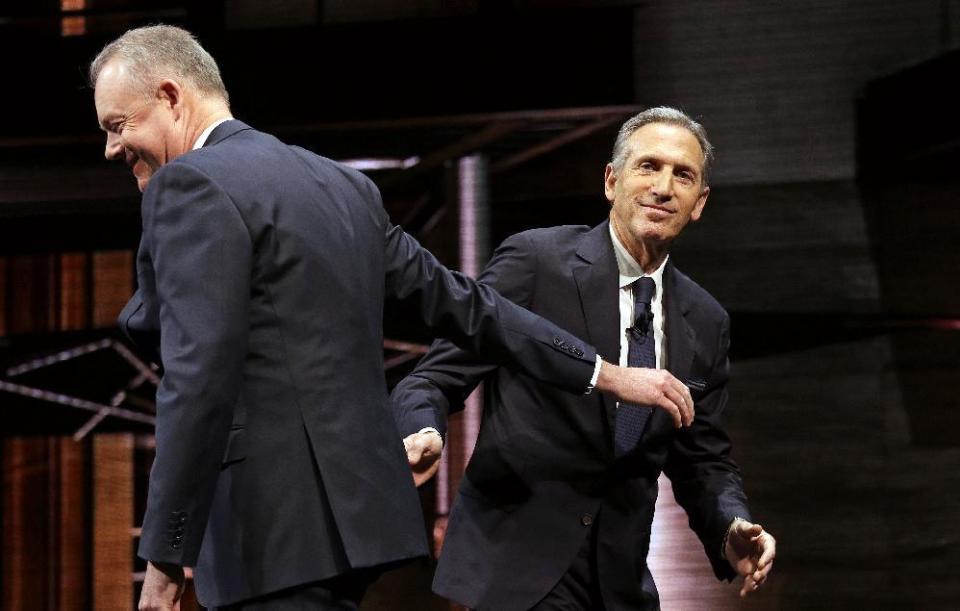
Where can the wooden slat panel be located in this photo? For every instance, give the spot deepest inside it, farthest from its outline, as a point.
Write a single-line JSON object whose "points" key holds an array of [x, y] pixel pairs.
{"points": [[74, 291], [112, 285], [73, 539], [29, 295], [25, 544], [112, 520]]}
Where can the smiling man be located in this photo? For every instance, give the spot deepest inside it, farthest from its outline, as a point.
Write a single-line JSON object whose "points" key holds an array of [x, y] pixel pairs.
{"points": [[555, 508], [262, 273]]}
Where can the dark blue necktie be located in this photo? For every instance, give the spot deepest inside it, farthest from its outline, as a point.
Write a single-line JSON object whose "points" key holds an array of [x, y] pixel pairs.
{"points": [[642, 353]]}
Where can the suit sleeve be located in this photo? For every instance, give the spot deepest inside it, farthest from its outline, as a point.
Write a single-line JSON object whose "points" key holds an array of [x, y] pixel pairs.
{"points": [[446, 376], [201, 253], [706, 482]]}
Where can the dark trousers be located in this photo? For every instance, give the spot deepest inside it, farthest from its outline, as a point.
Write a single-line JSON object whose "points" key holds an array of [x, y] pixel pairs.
{"points": [[579, 588], [342, 593]]}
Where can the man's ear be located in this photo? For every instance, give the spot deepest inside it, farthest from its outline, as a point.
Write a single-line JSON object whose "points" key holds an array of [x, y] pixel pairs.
{"points": [[609, 182], [701, 203], [170, 95]]}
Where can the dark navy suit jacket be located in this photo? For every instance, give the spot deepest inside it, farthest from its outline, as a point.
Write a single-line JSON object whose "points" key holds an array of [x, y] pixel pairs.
{"points": [[544, 468], [262, 273]]}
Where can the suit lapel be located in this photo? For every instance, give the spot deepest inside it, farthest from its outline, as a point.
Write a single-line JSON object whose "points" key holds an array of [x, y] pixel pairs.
{"points": [[681, 338], [595, 273]]}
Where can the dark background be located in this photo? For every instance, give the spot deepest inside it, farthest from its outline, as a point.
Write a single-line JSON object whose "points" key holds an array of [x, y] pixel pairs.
{"points": [[830, 233]]}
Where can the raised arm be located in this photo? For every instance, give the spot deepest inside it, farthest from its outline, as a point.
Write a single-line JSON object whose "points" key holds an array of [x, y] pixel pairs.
{"points": [[447, 375]]}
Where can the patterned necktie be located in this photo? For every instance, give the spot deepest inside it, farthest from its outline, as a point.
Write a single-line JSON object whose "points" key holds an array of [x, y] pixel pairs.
{"points": [[642, 353]]}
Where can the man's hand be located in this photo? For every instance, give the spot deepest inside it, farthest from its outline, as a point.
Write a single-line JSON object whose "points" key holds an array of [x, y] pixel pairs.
{"points": [[162, 587], [750, 550], [654, 387], [423, 454]]}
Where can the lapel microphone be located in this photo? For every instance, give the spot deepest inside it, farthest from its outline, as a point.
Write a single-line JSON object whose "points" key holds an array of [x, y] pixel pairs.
{"points": [[641, 325]]}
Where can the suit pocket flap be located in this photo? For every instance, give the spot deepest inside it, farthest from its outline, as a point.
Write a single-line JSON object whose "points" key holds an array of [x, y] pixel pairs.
{"points": [[236, 447]]}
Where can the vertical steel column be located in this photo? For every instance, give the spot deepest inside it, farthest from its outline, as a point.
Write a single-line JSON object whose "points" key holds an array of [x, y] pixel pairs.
{"points": [[473, 207]]}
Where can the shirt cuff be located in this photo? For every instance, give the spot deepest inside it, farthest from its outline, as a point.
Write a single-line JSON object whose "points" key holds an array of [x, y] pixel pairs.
{"points": [[594, 377]]}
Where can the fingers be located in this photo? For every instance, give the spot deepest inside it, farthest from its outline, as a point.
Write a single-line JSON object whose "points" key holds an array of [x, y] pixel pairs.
{"points": [[681, 404], [423, 455], [765, 547], [748, 530], [763, 543], [686, 404], [676, 400], [768, 547], [420, 446], [671, 402], [753, 581], [656, 388]]}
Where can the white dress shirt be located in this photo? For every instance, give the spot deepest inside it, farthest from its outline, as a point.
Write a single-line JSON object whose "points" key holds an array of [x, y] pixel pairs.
{"points": [[630, 271], [206, 133]]}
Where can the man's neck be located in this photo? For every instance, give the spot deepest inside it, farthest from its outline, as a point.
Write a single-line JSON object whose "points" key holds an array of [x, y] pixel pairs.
{"points": [[204, 116], [648, 256]]}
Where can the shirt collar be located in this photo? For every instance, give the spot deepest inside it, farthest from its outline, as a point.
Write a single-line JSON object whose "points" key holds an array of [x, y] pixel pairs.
{"points": [[206, 133], [627, 266]]}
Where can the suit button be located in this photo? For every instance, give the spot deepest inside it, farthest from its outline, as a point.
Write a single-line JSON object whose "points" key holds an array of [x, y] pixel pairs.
{"points": [[557, 341], [586, 519]]}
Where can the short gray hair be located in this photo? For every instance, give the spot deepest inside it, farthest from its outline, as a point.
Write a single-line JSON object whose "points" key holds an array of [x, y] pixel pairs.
{"points": [[670, 116], [161, 51]]}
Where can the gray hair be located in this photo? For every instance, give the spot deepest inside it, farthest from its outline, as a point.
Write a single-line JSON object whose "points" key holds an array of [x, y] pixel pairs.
{"points": [[162, 51], [661, 114]]}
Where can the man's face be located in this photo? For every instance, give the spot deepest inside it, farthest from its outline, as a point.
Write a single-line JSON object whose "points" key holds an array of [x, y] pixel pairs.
{"points": [[139, 129], [659, 189]]}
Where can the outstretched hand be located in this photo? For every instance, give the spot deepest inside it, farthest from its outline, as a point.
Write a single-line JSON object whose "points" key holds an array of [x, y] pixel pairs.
{"points": [[750, 550], [654, 387], [423, 454]]}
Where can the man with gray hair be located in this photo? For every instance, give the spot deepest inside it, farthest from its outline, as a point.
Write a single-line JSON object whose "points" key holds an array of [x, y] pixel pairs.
{"points": [[555, 509], [262, 272]]}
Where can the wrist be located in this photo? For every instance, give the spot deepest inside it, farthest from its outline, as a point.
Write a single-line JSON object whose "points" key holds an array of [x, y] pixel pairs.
{"points": [[726, 537], [608, 378]]}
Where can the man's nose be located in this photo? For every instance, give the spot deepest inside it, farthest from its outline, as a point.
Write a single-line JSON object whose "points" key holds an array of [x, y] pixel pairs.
{"points": [[114, 148], [663, 185]]}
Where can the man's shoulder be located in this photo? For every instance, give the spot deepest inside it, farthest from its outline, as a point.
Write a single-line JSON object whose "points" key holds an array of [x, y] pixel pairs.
{"points": [[694, 293], [549, 238], [251, 153]]}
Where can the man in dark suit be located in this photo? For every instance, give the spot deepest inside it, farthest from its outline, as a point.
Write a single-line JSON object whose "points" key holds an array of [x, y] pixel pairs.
{"points": [[262, 272], [555, 508]]}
